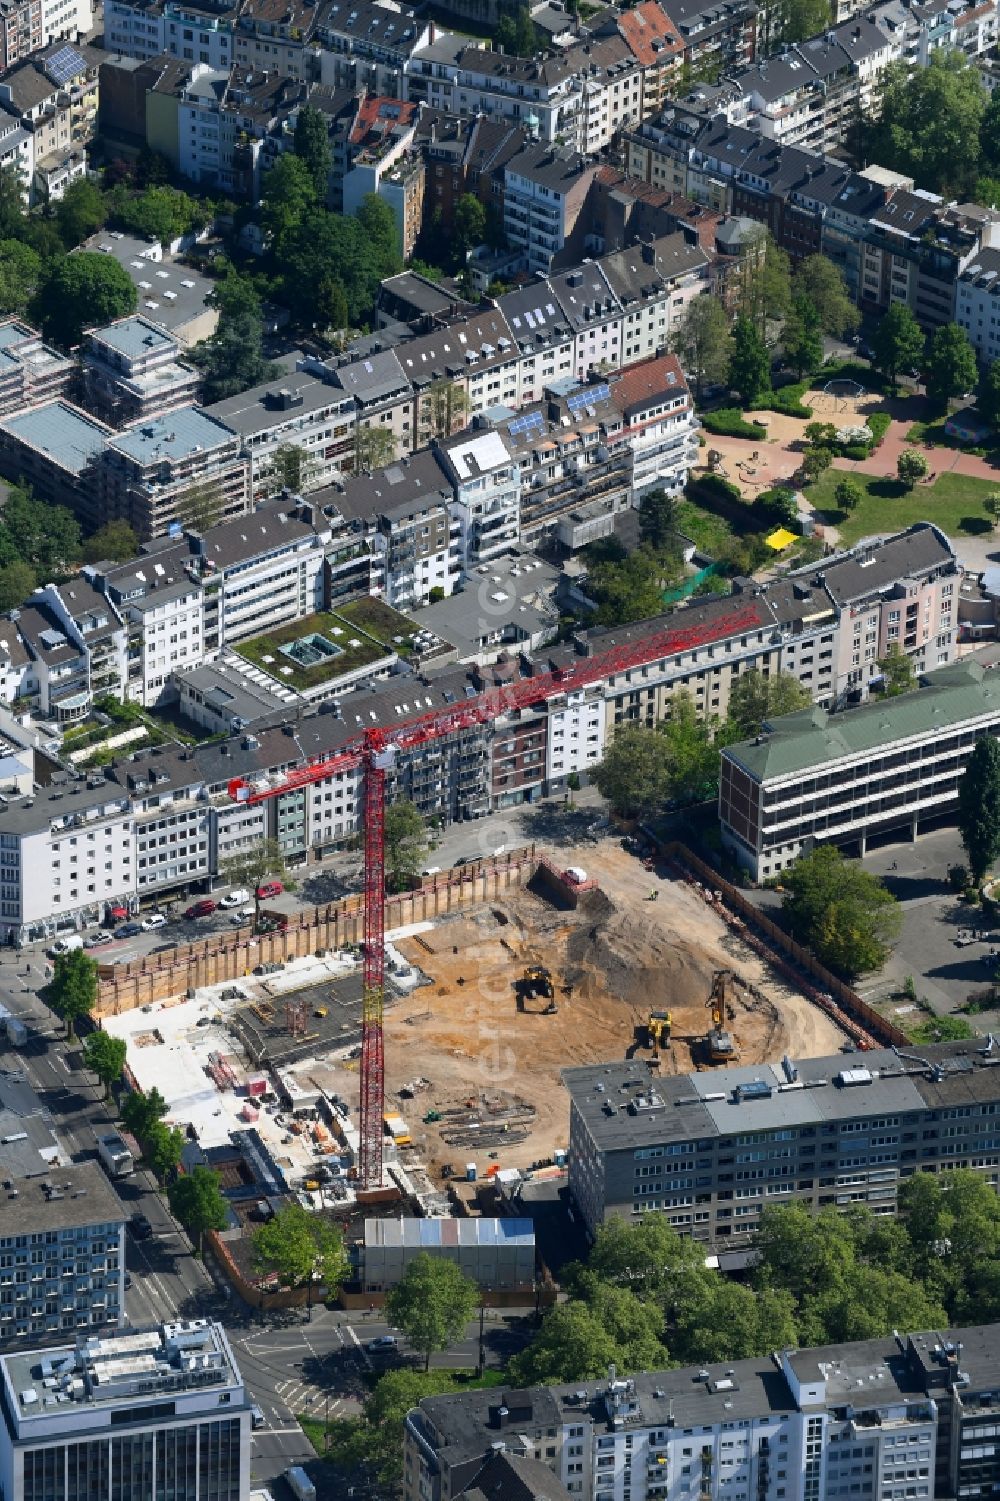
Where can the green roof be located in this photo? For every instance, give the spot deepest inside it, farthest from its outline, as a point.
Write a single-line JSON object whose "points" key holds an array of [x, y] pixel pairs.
{"points": [[811, 737]]}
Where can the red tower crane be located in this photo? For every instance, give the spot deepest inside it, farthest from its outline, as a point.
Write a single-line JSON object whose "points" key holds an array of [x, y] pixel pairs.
{"points": [[375, 750]]}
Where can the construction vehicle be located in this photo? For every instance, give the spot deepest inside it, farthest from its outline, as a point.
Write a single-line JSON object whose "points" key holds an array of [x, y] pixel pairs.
{"points": [[658, 1034], [536, 981], [720, 1043]]}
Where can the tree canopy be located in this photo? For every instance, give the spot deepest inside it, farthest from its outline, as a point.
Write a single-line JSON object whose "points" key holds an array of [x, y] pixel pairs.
{"points": [[83, 290], [312, 147], [704, 342], [232, 359], [432, 1304], [750, 367], [405, 843], [104, 1055], [951, 364], [844, 914], [823, 283], [755, 697], [72, 991], [930, 121], [297, 1245], [898, 342], [979, 807], [196, 1199]]}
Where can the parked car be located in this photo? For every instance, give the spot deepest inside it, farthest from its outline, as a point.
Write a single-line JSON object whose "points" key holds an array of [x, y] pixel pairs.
{"points": [[204, 908], [154, 920], [128, 1280], [235, 898], [95, 940], [139, 1227], [64, 945], [244, 915], [128, 930], [382, 1342], [268, 889]]}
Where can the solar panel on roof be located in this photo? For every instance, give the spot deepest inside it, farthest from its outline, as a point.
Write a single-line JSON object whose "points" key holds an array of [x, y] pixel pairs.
{"points": [[64, 65], [526, 424]]}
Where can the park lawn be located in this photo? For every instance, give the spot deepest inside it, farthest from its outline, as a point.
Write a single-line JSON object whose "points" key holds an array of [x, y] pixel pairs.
{"points": [[708, 532], [954, 502]]}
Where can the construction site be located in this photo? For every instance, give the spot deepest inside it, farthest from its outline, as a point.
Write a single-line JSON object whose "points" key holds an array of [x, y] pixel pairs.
{"points": [[518, 990]]}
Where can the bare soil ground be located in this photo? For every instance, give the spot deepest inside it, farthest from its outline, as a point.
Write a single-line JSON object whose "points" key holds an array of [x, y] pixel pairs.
{"points": [[493, 1071]]}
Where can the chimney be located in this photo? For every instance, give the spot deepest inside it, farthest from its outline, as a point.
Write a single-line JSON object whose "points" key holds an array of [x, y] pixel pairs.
{"points": [[432, 33]]}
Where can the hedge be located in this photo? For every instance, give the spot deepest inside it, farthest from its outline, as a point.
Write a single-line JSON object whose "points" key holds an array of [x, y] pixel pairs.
{"points": [[728, 422], [879, 422]]}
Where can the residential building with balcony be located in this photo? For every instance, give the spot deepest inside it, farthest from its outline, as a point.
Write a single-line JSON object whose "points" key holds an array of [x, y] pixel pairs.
{"points": [[457, 371], [160, 599], [383, 398], [275, 36], [486, 480], [977, 303], [162, 1407], [545, 189], [134, 369], [784, 1427], [60, 111], [359, 44], [299, 409], [879, 768], [223, 126], [30, 371], [202, 31], [58, 449], [383, 160], [659, 424], [657, 46], [709, 1150], [721, 33], [916, 248], [62, 1266], [21, 31]]}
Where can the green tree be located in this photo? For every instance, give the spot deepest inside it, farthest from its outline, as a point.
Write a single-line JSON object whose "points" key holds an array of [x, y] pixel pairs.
{"points": [[331, 304], [152, 167], [844, 914], [374, 447], [726, 1321], [17, 582], [848, 495], [288, 194], [379, 227], [196, 1199], [755, 698], [80, 212], [798, 20], [293, 468], [897, 671], [823, 283], [432, 1304], [232, 360], [910, 467], [104, 1055], [749, 368], [991, 505], [468, 224], [141, 1111], [115, 540], [979, 807], [571, 1345], [802, 337], [405, 843], [648, 1259], [45, 536], [20, 274], [897, 343], [658, 520], [448, 403], [376, 1440], [988, 393], [930, 120], [634, 775], [516, 34], [764, 284], [816, 461], [951, 365], [83, 290], [704, 343], [631, 589], [200, 506], [693, 756], [635, 1326], [162, 1147], [252, 867], [298, 1246], [160, 213], [72, 991], [13, 203], [312, 147]]}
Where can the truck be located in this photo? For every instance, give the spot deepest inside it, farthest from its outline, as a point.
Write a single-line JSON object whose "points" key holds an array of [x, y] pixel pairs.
{"points": [[299, 1483], [115, 1154], [17, 1032]]}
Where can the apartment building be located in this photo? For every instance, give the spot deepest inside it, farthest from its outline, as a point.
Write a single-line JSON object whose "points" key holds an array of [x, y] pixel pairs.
{"points": [[151, 473], [300, 410], [886, 1418], [222, 126], [545, 189], [364, 45], [709, 1150], [134, 369], [977, 303], [656, 44], [383, 159], [62, 1265], [659, 424], [916, 248], [162, 1407], [59, 110], [879, 768], [486, 481], [715, 31], [58, 449]]}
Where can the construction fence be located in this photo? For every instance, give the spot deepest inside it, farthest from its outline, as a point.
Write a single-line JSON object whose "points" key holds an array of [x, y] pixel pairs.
{"points": [[226, 957]]}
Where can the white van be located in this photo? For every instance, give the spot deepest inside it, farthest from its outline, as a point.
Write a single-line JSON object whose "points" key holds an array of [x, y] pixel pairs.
{"points": [[65, 945]]}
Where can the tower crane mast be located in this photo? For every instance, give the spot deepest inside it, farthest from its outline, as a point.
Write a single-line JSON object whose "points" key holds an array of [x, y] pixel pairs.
{"points": [[375, 751]]}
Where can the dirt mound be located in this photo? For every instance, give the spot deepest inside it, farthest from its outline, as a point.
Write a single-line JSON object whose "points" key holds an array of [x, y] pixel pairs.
{"points": [[625, 956]]}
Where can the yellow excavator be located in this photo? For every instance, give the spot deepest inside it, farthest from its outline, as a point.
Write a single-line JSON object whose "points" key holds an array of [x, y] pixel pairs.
{"points": [[658, 1025], [720, 1043], [536, 981]]}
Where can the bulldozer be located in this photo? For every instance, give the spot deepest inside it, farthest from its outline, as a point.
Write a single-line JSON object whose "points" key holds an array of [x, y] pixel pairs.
{"points": [[720, 1043], [536, 981], [658, 1025]]}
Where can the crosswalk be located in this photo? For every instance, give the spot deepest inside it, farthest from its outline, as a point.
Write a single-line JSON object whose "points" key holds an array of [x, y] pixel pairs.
{"points": [[302, 1396]]}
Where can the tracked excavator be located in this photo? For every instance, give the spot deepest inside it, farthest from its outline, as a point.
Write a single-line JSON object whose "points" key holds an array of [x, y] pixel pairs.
{"points": [[720, 1043], [658, 1034], [536, 981]]}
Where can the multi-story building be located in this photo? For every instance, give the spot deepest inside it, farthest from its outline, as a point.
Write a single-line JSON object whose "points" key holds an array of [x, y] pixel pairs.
{"points": [[62, 1264], [915, 250], [486, 480], [133, 369], [30, 372], [660, 427], [160, 1410], [58, 449], [300, 410], [545, 189], [977, 303], [383, 159], [709, 1150], [715, 33], [906, 1413], [152, 474], [364, 45], [879, 768], [657, 46]]}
